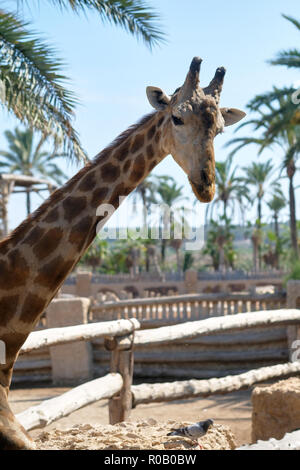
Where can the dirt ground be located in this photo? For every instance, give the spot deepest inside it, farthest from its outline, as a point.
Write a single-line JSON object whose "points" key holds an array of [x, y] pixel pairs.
{"points": [[233, 410]]}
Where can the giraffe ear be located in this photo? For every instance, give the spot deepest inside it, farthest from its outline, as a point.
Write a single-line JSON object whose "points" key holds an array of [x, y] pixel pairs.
{"points": [[157, 98], [232, 115]]}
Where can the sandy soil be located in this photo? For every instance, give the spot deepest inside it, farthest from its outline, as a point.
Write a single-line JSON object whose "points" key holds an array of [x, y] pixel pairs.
{"points": [[143, 434], [233, 410]]}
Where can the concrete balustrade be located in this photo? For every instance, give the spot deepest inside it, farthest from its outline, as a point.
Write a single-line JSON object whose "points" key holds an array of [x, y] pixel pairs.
{"points": [[71, 363]]}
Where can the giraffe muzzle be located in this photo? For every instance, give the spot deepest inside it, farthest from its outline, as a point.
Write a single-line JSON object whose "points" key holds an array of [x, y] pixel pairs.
{"points": [[205, 190], [203, 179]]}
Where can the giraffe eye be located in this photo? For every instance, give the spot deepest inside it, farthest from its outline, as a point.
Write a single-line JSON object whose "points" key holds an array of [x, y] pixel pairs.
{"points": [[177, 121]]}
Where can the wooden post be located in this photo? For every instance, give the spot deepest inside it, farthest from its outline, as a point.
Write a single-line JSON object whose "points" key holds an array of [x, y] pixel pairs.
{"points": [[293, 331], [121, 362]]}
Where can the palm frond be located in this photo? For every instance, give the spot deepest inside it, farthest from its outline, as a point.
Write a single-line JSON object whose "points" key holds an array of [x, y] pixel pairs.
{"points": [[134, 16], [34, 91]]}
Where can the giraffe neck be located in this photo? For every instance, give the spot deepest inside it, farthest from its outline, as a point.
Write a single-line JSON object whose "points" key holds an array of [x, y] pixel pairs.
{"points": [[37, 257]]}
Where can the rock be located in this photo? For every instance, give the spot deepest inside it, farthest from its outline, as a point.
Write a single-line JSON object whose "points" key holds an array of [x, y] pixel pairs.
{"points": [[149, 436], [275, 409]]}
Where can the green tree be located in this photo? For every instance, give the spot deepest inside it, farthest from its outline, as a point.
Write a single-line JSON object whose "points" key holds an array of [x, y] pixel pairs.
{"points": [[219, 244], [276, 205], [32, 86], [230, 189], [169, 194], [258, 175], [146, 192], [27, 158], [279, 122], [96, 254]]}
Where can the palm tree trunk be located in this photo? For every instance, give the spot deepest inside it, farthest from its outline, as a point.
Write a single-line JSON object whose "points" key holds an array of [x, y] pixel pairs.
{"points": [[163, 250], [259, 211], [225, 210], [293, 220], [259, 223], [276, 228]]}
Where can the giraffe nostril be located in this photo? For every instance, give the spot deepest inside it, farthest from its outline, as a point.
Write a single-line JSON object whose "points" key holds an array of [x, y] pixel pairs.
{"points": [[205, 177]]}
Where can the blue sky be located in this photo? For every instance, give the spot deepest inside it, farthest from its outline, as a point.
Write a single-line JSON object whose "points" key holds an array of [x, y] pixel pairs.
{"points": [[110, 69]]}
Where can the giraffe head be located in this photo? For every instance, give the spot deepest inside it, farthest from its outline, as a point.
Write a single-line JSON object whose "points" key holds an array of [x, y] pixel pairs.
{"points": [[194, 118]]}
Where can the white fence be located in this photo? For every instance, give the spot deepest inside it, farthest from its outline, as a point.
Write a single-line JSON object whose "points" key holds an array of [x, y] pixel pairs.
{"points": [[121, 339]]}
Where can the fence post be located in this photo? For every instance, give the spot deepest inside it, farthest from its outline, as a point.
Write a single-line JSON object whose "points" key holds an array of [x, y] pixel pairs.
{"points": [[122, 361], [83, 283], [191, 281], [71, 363], [293, 331]]}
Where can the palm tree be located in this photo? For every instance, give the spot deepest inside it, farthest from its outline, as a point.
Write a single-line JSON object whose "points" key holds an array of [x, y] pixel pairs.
{"points": [[26, 158], [276, 204], [31, 82], [219, 244], [257, 175], [291, 57], [230, 188], [170, 194], [146, 192], [279, 121]]}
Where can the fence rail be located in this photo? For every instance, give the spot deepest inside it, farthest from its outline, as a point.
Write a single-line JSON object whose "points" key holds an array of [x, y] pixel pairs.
{"points": [[121, 338], [180, 308], [71, 334]]}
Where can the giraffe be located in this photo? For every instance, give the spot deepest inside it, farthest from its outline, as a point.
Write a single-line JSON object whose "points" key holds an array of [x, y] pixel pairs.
{"points": [[39, 254]]}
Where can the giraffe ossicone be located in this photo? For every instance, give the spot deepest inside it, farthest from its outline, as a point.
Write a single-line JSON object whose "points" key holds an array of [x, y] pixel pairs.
{"points": [[38, 255]]}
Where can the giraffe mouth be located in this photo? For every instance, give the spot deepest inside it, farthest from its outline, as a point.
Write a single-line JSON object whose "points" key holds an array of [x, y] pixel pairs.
{"points": [[204, 190]]}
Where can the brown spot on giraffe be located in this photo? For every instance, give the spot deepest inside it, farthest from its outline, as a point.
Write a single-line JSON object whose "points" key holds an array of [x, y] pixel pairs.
{"points": [[115, 196], [157, 137], [53, 273], [88, 183], [32, 304], [48, 243], [34, 236], [137, 143], [110, 172], [160, 121], [151, 132], [122, 152], [80, 231], [14, 271], [93, 231], [121, 190], [127, 166], [150, 152], [99, 196], [73, 206], [52, 215], [8, 306], [138, 169]]}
